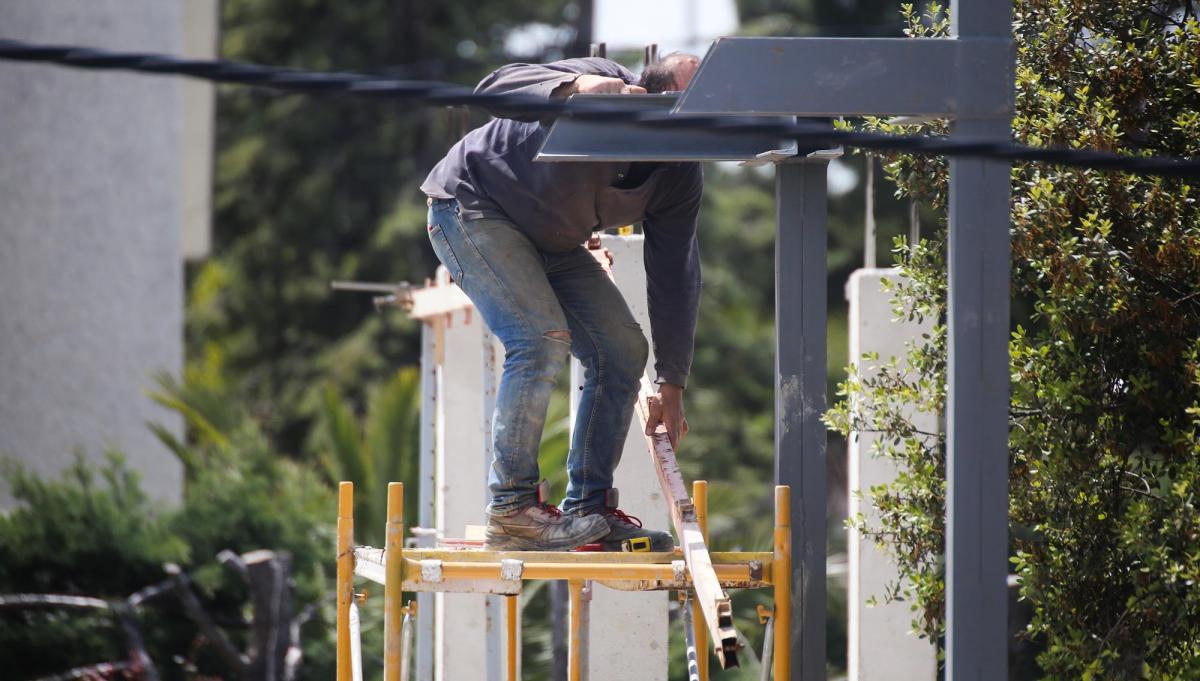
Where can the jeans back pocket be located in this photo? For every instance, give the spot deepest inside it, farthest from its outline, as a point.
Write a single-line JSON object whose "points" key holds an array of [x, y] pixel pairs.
{"points": [[441, 247]]}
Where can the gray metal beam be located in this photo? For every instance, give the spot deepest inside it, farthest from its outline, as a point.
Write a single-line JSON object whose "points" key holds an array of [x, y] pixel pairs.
{"points": [[800, 319], [578, 140], [846, 77], [978, 374], [975, 18], [977, 419]]}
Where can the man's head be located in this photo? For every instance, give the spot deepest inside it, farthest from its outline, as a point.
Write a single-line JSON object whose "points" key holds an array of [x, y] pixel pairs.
{"points": [[671, 73]]}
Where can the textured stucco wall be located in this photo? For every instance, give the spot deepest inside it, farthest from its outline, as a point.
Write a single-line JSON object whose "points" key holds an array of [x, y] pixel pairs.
{"points": [[91, 287]]}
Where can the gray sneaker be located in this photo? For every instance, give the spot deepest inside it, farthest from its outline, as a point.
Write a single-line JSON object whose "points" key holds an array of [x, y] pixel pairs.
{"points": [[625, 532], [542, 527]]}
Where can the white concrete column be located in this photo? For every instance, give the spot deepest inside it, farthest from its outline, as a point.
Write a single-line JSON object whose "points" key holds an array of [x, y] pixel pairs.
{"points": [[880, 647], [91, 280], [460, 620], [634, 623]]}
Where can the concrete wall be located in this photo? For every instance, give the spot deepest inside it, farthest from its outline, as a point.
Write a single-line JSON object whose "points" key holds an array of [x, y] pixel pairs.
{"points": [[91, 287], [880, 647]]}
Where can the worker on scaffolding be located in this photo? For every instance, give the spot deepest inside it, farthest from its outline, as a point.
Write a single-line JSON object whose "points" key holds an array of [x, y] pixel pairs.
{"points": [[512, 231]]}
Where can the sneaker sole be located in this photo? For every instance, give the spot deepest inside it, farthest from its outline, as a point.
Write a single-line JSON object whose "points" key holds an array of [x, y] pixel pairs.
{"points": [[521, 544]]}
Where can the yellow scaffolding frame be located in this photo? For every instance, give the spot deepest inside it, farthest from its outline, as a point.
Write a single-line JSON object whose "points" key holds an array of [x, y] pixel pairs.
{"points": [[503, 572]]}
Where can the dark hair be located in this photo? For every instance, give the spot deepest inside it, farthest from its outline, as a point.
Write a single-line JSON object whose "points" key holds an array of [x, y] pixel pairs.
{"points": [[660, 76]]}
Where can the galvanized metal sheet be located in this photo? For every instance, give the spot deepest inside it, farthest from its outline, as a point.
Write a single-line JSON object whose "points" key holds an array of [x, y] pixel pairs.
{"points": [[851, 77], [577, 140]]}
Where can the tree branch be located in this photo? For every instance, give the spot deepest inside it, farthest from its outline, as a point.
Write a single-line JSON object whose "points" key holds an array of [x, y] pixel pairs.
{"points": [[196, 613]]}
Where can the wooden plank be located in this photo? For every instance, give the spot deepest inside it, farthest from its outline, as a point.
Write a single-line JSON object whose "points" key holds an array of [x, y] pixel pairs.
{"points": [[435, 300], [712, 599]]}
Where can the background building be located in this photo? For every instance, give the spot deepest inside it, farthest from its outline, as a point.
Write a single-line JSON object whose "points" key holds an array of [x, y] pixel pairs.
{"points": [[104, 182]]}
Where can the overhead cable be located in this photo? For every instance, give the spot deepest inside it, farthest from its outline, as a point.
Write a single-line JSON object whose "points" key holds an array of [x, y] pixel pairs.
{"points": [[805, 133]]}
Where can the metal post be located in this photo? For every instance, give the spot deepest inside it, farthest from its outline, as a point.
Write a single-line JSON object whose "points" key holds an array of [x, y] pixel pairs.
{"points": [[393, 603], [512, 610], [977, 417], [781, 569], [425, 491], [576, 659], [345, 578], [800, 310], [977, 372], [700, 502]]}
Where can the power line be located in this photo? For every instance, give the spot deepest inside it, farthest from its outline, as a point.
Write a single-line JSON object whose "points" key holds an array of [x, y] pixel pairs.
{"points": [[806, 133]]}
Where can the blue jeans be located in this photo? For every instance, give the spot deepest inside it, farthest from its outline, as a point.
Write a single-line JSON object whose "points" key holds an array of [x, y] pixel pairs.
{"points": [[542, 306]]}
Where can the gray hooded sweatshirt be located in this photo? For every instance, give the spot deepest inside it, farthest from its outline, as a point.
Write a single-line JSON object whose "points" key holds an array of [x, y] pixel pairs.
{"points": [[491, 172]]}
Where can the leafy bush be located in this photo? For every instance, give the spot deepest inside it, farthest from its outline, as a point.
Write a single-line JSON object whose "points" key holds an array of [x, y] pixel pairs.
{"points": [[1105, 413], [104, 538]]}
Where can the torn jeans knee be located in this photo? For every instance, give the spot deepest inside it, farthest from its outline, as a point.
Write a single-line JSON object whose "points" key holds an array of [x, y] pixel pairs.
{"points": [[559, 335]]}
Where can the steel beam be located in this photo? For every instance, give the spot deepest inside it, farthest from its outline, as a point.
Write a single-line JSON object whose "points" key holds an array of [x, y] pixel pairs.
{"points": [[573, 139], [846, 76], [800, 317], [977, 418], [977, 387]]}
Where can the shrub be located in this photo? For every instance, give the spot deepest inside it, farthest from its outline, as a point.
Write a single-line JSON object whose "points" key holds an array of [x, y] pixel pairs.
{"points": [[1105, 412]]}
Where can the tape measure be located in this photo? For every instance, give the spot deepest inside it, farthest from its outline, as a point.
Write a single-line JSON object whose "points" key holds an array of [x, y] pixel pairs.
{"points": [[636, 545]]}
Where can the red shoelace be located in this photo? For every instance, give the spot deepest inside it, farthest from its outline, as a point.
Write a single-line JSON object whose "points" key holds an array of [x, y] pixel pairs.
{"points": [[551, 509], [623, 516]]}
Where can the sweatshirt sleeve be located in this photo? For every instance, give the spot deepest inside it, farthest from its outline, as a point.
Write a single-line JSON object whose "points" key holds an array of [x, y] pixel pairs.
{"points": [[539, 80], [672, 257]]}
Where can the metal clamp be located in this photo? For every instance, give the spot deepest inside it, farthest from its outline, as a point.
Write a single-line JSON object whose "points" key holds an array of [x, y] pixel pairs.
{"points": [[511, 569], [679, 570], [431, 570]]}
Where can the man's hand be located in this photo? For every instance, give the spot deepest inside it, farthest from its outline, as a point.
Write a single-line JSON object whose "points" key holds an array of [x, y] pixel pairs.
{"points": [[667, 408], [597, 85]]}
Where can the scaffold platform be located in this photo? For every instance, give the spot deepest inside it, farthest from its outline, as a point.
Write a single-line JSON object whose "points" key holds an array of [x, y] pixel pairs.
{"points": [[461, 568]]}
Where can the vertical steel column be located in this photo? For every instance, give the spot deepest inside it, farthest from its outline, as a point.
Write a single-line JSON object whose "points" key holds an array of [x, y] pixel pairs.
{"points": [[425, 491], [977, 417], [977, 374], [800, 310]]}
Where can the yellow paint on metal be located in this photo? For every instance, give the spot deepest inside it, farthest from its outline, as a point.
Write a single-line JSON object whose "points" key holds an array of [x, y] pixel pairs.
{"points": [[512, 606], [393, 603], [574, 658], [581, 557], [699, 630], [782, 578], [345, 577], [603, 571]]}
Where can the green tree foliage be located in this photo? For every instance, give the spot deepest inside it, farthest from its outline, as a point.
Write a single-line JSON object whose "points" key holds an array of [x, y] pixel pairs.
{"points": [[1105, 415], [104, 538], [310, 189], [379, 450]]}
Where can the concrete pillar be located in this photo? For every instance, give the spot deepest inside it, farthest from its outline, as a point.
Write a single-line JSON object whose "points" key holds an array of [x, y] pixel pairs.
{"points": [[880, 647], [461, 480], [641, 636], [91, 282]]}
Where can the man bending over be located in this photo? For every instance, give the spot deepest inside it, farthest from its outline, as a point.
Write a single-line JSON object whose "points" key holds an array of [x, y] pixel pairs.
{"points": [[511, 233]]}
